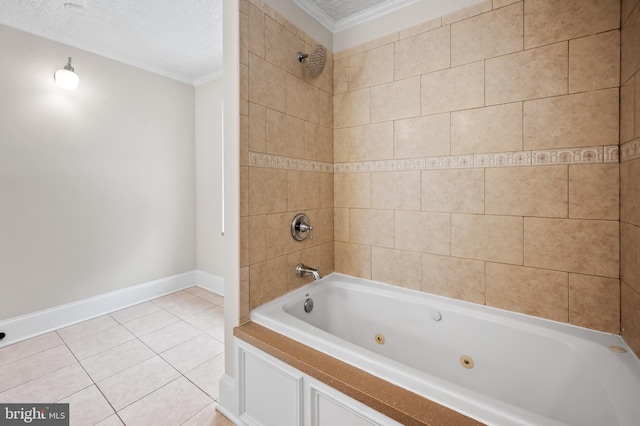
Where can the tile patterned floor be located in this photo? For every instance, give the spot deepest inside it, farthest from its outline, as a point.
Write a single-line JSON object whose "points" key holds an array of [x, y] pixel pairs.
{"points": [[156, 363]]}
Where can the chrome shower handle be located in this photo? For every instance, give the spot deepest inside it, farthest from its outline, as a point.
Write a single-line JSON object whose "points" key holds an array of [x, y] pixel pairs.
{"points": [[301, 227]]}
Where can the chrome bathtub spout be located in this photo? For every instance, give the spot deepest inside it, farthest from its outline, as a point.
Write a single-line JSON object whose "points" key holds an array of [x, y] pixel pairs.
{"points": [[303, 270]]}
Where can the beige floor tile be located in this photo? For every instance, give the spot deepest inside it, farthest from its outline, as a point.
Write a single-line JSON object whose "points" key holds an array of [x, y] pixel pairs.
{"points": [[136, 382], [210, 322], [134, 312], [85, 328], [99, 342], [29, 347], [206, 295], [207, 376], [208, 417], [192, 353], [34, 366], [151, 322], [111, 421], [87, 407], [51, 387], [173, 299], [171, 405], [117, 359], [170, 336], [190, 307]]}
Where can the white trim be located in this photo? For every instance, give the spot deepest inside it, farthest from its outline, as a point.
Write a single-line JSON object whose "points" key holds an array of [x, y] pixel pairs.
{"points": [[36, 323], [228, 403], [209, 281]]}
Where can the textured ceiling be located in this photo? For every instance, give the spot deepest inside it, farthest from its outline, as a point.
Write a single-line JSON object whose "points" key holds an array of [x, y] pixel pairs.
{"points": [[179, 39]]}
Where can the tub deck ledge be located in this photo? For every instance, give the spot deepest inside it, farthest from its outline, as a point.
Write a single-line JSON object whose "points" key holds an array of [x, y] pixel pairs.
{"points": [[393, 401]]}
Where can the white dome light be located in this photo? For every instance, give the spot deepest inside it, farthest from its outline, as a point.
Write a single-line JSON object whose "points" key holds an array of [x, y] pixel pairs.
{"points": [[66, 78]]}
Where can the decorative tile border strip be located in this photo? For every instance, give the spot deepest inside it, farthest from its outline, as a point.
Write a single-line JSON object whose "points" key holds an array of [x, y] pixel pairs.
{"points": [[589, 155], [278, 162], [630, 150]]}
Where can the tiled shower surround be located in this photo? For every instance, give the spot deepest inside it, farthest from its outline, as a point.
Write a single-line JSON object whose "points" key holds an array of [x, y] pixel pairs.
{"points": [[473, 156]]}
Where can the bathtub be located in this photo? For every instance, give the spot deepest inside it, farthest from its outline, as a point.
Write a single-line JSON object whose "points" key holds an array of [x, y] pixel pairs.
{"points": [[495, 366]]}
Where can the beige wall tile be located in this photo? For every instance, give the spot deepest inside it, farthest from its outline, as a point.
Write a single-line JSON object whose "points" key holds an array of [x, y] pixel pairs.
{"points": [[341, 224], [256, 31], [594, 191], [267, 281], [636, 107], [493, 238], [572, 245], [531, 74], [395, 190], [485, 36], [371, 67], [423, 231], [284, 134], [267, 191], [352, 108], [401, 268], [282, 46], [467, 12], [583, 119], [453, 89], [538, 292], [348, 52], [425, 136], [244, 191], [392, 101], [341, 76], [352, 259], [422, 53], [628, 248], [549, 21], [278, 233], [244, 38], [322, 222], [420, 28], [257, 128], [594, 62], [594, 302], [489, 129], [371, 142], [381, 41], [630, 192], [457, 191], [257, 228], [321, 257], [341, 145], [319, 106], [326, 190], [630, 46], [244, 89], [244, 294], [372, 227], [630, 314], [627, 111], [244, 141], [527, 191], [626, 6], [304, 190], [501, 3], [297, 92], [461, 279], [352, 190], [244, 241], [318, 142], [268, 84]]}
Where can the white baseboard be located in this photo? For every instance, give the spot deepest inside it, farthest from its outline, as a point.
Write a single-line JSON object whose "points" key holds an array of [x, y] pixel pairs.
{"points": [[210, 282], [228, 404], [33, 324]]}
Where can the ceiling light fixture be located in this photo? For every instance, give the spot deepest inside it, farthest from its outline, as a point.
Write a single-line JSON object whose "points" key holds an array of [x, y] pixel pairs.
{"points": [[66, 78]]}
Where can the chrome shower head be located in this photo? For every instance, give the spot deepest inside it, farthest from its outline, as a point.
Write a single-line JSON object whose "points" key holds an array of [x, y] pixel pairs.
{"points": [[314, 62]]}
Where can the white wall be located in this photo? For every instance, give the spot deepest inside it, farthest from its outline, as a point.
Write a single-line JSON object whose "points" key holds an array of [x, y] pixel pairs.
{"points": [[210, 242], [97, 186]]}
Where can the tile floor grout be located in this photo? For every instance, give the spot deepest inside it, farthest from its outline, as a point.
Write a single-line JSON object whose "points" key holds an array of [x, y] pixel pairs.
{"points": [[123, 390]]}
